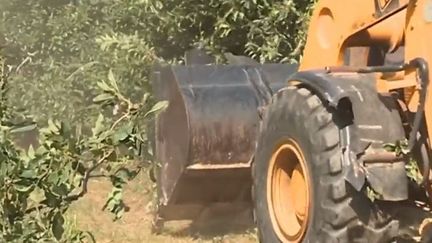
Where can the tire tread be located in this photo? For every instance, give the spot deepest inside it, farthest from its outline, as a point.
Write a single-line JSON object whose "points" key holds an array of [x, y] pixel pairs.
{"points": [[342, 224]]}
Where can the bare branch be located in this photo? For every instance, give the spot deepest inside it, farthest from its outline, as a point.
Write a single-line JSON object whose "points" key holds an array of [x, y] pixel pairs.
{"points": [[25, 61], [120, 119], [87, 176]]}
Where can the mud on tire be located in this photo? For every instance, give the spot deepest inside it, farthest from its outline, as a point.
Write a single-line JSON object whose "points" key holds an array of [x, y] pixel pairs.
{"points": [[337, 213]]}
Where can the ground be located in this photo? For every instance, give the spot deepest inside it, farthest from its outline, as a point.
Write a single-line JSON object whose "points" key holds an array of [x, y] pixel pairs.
{"points": [[135, 226]]}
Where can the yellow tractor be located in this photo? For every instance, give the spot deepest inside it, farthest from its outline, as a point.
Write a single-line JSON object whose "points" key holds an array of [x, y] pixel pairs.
{"points": [[330, 150]]}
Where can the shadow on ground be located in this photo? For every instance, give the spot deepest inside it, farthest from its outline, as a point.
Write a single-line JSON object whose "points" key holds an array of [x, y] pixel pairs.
{"points": [[214, 225], [136, 225]]}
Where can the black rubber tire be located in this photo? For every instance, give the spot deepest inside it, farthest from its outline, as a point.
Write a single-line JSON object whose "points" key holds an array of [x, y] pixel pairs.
{"points": [[338, 213]]}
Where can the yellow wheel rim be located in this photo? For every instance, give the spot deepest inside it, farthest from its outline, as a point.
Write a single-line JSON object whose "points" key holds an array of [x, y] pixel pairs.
{"points": [[288, 192]]}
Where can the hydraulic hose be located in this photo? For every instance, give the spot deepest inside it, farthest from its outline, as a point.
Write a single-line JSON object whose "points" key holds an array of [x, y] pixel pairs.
{"points": [[426, 163], [423, 75]]}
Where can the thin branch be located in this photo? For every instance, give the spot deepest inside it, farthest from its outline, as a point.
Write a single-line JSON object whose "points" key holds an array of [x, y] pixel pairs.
{"points": [[80, 69], [25, 61], [298, 49], [120, 119], [99, 176], [87, 176]]}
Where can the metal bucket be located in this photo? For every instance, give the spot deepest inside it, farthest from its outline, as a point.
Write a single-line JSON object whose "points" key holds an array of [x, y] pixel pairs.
{"points": [[205, 139]]}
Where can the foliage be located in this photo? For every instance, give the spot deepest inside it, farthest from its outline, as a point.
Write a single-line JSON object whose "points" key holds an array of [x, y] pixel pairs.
{"points": [[59, 48], [264, 30], [400, 148], [411, 167], [372, 194], [80, 68], [413, 171], [38, 185]]}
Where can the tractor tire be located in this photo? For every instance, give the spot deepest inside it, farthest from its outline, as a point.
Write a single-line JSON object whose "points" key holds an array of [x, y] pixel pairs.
{"points": [[300, 194]]}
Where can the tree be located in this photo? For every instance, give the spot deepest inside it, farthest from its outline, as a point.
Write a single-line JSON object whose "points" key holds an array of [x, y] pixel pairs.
{"points": [[62, 48], [79, 68]]}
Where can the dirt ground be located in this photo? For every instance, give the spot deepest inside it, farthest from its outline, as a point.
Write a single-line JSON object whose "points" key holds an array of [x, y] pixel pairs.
{"points": [[135, 226]]}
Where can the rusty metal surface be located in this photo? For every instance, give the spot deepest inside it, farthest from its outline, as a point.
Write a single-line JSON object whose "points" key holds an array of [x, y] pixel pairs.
{"points": [[171, 134], [381, 157], [222, 113], [223, 118], [206, 138]]}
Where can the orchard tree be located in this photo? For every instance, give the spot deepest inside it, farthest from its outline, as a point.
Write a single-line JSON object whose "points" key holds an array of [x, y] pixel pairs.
{"points": [[75, 76]]}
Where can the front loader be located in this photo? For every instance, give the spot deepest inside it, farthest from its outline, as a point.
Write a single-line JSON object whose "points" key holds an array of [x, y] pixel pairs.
{"points": [[332, 150]]}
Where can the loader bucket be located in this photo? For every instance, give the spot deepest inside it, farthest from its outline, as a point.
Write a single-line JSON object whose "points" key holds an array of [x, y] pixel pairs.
{"points": [[205, 139]]}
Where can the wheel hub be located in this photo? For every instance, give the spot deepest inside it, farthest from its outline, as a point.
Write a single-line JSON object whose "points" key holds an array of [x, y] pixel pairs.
{"points": [[288, 192]]}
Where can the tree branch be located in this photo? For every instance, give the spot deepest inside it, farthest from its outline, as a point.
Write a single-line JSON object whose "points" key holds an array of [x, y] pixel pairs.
{"points": [[124, 116], [87, 176]]}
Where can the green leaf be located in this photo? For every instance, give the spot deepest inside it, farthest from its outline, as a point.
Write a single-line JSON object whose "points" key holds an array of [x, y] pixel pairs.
{"points": [[120, 135], [103, 97], [371, 194], [80, 236], [27, 128], [124, 174], [77, 180], [118, 195], [145, 97], [52, 126], [37, 195], [120, 213], [112, 80], [99, 127], [23, 188], [58, 226], [53, 178], [114, 197], [28, 174], [104, 86], [51, 199], [159, 106], [123, 132], [60, 190], [115, 203], [31, 152]]}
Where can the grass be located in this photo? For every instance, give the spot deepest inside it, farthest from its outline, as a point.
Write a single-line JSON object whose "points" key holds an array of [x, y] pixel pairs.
{"points": [[135, 226]]}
